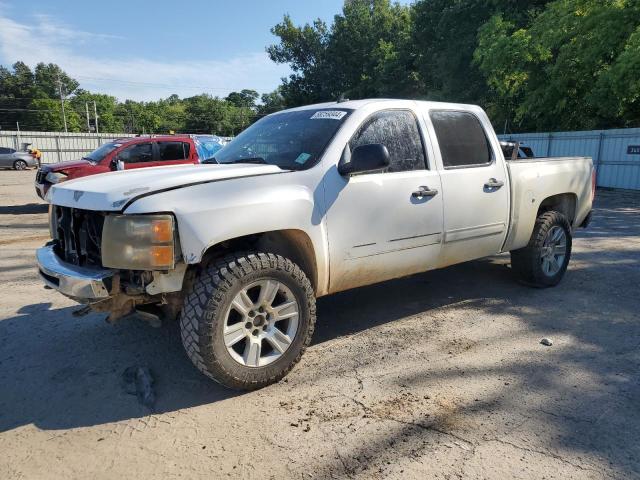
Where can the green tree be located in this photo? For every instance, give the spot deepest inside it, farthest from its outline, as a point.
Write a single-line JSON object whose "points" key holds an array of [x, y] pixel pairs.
{"points": [[47, 116], [106, 105], [572, 68], [271, 102], [304, 49], [245, 98], [366, 52]]}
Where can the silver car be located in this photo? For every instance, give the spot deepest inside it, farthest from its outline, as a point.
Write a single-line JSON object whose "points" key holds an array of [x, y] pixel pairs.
{"points": [[11, 158]]}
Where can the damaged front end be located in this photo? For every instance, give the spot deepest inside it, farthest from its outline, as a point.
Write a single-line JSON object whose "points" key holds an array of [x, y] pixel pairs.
{"points": [[113, 263]]}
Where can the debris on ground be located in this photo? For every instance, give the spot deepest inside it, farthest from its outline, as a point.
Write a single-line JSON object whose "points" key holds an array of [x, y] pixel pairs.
{"points": [[138, 381], [546, 342]]}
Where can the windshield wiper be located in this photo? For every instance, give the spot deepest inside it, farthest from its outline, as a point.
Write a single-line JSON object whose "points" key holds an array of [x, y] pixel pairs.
{"points": [[250, 160], [210, 160]]}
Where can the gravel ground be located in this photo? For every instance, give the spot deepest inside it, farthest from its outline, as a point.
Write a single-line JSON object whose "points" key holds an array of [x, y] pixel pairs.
{"points": [[441, 375]]}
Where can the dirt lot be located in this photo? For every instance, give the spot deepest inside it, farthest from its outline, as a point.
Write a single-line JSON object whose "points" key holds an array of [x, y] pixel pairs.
{"points": [[436, 376]]}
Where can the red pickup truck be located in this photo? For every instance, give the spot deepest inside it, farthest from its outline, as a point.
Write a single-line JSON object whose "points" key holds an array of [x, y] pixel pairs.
{"points": [[128, 153]]}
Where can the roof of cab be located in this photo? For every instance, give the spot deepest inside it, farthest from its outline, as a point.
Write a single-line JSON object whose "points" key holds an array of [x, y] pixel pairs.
{"points": [[356, 104]]}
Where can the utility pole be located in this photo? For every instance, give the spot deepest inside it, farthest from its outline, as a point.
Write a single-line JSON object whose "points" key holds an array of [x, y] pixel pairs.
{"points": [[95, 114], [64, 117], [18, 135], [86, 109]]}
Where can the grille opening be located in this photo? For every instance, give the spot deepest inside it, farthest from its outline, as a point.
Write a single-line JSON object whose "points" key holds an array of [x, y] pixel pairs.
{"points": [[78, 235]]}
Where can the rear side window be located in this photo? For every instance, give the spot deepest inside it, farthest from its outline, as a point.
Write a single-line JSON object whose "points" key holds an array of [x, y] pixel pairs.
{"points": [[398, 131], [4, 150], [173, 151], [461, 137]]}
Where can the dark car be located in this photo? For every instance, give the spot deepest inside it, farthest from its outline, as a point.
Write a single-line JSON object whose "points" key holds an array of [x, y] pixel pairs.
{"points": [[129, 153]]}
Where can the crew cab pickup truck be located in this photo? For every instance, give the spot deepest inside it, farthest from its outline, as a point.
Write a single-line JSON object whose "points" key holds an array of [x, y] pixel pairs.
{"points": [[129, 153], [307, 202]]}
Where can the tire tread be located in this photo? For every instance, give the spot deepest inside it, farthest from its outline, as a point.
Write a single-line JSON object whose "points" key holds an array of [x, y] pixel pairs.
{"points": [[207, 295], [524, 261]]}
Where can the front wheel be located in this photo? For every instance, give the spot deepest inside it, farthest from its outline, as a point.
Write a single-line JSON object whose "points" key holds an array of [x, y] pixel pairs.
{"points": [[543, 262], [20, 165], [248, 319]]}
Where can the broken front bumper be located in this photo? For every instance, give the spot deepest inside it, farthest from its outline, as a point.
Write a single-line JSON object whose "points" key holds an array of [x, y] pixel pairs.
{"points": [[86, 285]]}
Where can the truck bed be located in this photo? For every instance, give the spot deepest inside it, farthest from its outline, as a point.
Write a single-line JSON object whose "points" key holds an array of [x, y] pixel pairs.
{"points": [[534, 179]]}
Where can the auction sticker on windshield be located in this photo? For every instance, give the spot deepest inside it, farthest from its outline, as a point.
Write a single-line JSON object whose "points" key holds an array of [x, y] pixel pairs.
{"points": [[329, 114]]}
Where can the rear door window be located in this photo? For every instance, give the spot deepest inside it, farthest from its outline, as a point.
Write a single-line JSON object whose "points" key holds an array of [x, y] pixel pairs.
{"points": [[5, 151], [398, 131], [462, 140], [138, 153], [172, 151]]}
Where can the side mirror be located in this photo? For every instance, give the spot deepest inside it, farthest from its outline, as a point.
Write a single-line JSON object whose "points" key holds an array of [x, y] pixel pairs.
{"points": [[117, 164], [365, 158]]}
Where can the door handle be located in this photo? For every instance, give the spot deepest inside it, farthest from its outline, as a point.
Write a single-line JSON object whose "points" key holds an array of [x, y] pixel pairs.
{"points": [[493, 183], [424, 192]]}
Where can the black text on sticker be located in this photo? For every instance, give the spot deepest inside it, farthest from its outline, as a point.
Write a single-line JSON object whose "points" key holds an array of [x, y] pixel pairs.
{"points": [[329, 114]]}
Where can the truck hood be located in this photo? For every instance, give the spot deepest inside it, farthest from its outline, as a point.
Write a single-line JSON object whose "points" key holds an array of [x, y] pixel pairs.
{"points": [[61, 166], [112, 191]]}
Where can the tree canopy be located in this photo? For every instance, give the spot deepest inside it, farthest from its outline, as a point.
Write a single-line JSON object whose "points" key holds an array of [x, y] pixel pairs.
{"points": [[32, 99], [532, 64]]}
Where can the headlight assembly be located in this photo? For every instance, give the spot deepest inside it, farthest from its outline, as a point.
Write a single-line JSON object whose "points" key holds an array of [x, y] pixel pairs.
{"points": [[55, 177], [138, 242]]}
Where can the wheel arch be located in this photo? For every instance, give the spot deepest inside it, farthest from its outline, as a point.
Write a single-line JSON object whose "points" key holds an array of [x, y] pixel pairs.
{"points": [[293, 244], [564, 203]]}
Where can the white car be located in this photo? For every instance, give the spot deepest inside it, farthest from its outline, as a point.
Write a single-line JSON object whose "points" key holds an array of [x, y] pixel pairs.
{"points": [[308, 202]]}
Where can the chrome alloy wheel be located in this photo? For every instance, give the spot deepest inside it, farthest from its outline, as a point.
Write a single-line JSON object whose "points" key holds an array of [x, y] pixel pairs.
{"points": [[261, 323], [554, 251]]}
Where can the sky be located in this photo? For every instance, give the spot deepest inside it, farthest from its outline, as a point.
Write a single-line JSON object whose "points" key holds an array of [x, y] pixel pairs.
{"points": [[152, 49]]}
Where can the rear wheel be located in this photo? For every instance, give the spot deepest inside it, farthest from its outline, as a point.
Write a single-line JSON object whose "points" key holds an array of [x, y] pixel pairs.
{"points": [[543, 262], [248, 319], [20, 165]]}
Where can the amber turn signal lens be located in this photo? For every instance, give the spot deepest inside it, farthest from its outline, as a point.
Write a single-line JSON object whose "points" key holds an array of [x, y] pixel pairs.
{"points": [[162, 256], [162, 231]]}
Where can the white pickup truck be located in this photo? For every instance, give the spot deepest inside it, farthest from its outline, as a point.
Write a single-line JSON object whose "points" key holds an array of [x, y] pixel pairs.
{"points": [[307, 202]]}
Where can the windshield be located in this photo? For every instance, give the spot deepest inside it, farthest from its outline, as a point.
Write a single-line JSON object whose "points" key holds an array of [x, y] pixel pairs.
{"points": [[291, 140], [208, 145], [102, 151]]}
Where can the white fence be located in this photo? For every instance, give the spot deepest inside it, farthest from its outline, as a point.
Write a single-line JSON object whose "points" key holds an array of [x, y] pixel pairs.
{"points": [[58, 146]]}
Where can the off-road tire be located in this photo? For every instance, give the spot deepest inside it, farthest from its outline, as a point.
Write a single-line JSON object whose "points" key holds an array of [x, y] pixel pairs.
{"points": [[527, 262], [20, 165], [203, 315]]}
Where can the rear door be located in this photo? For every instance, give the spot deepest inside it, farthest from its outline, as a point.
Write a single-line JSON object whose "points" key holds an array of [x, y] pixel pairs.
{"points": [[474, 186], [6, 157], [174, 152]]}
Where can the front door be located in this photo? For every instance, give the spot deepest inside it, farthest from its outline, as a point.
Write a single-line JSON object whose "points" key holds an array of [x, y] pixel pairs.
{"points": [[387, 224], [138, 155], [474, 186]]}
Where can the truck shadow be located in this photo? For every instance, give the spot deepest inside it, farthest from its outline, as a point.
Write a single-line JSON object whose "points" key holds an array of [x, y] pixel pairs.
{"points": [[28, 208], [580, 398], [60, 372]]}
